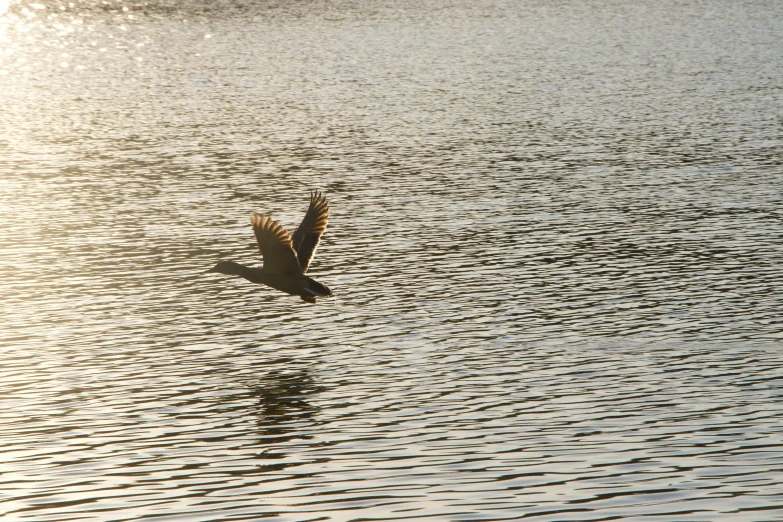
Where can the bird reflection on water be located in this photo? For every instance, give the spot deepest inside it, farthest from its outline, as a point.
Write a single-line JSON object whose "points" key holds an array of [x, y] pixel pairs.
{"points": [[283, 412], [278, 400], [283, 404]]}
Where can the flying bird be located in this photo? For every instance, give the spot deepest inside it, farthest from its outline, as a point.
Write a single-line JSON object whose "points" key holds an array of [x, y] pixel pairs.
{"points": [[286, 258]]}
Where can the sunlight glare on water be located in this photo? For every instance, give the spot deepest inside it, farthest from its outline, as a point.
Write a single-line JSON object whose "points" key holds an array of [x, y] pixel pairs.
{"points": [[554, 242]]}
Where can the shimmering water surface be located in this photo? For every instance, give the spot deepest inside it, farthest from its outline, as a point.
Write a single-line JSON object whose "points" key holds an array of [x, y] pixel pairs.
{"points": [[555, 244]]}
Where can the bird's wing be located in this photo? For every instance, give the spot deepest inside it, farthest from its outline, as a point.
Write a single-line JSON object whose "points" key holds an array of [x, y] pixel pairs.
{"points": [[311, 228], [275, 244]]}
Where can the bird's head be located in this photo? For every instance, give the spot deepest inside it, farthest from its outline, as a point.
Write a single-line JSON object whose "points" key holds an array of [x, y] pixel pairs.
{"points": [[226, 267]]}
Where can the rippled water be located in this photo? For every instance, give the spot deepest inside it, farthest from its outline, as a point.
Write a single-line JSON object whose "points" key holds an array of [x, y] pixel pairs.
{"points": [[555, 245]]}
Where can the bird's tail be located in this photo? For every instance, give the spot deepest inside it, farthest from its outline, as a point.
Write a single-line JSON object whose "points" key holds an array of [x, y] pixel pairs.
{"points": [[318, 289]]}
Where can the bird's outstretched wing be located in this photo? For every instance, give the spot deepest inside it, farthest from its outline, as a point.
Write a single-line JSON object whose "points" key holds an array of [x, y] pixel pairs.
{"points": [[309, 233], [275, 244]]}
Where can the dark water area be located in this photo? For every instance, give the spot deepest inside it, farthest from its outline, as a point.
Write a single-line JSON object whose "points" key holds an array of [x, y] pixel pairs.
{"points": [[555, 244]]}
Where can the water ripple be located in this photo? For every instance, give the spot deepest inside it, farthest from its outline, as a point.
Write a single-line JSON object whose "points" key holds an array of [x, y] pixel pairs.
{"points": [[554, 243]]}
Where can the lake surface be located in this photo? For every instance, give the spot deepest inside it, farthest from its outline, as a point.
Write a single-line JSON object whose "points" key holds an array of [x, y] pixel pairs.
{"points": [[556, 245]]}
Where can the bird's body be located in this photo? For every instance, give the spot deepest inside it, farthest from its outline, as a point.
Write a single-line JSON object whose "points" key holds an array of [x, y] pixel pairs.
{"points": [[286, 258]]}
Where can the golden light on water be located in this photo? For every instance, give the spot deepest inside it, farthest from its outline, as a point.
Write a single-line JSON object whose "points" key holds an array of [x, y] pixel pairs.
{"points": [[540, 240]]}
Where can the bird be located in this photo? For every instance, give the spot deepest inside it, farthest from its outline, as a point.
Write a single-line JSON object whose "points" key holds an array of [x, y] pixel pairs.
{"points": [[286, 258]]}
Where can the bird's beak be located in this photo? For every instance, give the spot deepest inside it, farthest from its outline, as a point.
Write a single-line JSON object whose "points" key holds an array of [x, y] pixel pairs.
{"points": [[211, 270]]}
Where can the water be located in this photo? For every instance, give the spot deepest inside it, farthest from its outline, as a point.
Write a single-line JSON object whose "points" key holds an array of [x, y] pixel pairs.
{"points": [[555, 245]]}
